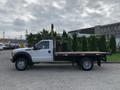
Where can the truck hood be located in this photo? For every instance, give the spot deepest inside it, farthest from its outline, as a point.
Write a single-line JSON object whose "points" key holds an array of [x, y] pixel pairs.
{"points": [[22, 49]]}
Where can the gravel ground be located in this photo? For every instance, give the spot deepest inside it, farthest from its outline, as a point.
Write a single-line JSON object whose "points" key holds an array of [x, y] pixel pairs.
{"points": [[57, 77]]}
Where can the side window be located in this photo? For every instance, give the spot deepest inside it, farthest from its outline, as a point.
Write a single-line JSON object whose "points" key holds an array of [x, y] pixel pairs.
{"points": [[43, 45], [1, 45]]}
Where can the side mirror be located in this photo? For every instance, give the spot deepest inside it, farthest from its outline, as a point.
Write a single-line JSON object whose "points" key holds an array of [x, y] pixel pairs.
{"points": [[34, 47]]}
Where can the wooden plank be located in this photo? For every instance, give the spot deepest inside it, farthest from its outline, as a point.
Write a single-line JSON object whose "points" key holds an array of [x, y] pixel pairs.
{"points": [[81, 53]]}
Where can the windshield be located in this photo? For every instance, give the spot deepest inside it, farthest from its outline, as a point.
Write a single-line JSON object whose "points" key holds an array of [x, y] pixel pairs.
{"points": [[42, 45]]}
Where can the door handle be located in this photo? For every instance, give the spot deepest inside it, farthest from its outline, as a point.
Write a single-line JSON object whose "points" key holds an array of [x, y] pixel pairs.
{"points": [[49, 51]]}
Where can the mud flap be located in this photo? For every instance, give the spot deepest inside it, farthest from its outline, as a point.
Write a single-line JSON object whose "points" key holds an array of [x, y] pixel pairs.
{"points": [[99, 62]]}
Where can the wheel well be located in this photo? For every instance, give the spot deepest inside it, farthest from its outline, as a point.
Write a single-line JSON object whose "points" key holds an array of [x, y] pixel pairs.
{"points": [[22, 55]]}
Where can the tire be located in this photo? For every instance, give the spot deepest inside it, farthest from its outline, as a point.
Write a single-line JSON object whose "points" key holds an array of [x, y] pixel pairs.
{"points": [[21, 64], [86, 64]]}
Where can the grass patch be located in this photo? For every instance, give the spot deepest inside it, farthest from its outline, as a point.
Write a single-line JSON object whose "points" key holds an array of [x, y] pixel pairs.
{"points": [[114, 58]]}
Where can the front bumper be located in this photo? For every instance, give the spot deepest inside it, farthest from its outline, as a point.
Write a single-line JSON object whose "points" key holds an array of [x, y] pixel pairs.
{"points": [[11, 58]]}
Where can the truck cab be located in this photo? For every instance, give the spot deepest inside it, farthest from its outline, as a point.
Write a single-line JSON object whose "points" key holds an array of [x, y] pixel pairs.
{"points": [[42, 51]]}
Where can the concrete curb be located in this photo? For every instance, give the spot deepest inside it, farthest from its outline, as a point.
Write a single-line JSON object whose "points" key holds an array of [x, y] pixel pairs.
{"points": [[112, 62]]}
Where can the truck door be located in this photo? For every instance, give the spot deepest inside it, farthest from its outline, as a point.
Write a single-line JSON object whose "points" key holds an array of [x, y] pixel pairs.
{"points": [[43, 52]]}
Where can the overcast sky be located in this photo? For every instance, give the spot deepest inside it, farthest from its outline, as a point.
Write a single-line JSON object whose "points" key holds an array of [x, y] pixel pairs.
{"points": [[18, 15]]}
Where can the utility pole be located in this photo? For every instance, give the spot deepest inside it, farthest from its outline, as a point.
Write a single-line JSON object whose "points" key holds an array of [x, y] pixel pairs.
{"points": [[3, 34], [26, 34], [52, 30]]}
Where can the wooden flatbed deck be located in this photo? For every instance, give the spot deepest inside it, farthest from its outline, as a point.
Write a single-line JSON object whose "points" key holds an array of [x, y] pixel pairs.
{"points": [[96, 53]]}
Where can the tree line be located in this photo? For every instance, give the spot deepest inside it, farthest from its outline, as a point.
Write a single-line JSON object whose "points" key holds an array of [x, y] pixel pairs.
{"points": [[65, 42]]}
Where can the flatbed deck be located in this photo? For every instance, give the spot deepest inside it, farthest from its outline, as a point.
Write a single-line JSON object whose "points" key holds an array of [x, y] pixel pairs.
{"points": [[96, 53]]}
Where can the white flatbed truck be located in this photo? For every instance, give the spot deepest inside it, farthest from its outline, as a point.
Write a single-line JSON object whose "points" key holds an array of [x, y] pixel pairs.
{"points": [[44, 52]]}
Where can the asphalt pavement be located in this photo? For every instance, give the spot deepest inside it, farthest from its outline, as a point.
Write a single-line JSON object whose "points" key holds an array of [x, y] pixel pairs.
{"points": [[57, 76]]}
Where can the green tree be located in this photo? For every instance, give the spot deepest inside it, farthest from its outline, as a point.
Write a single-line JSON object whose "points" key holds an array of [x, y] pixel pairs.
{"points": [[74, 43], [65, 41], [84, 43], [112, 44], [102, 43], [45, 34], [38, 37], [98, 43], [79, 40], [30, 39], [58, 42], [92, 45], [64, 35]]}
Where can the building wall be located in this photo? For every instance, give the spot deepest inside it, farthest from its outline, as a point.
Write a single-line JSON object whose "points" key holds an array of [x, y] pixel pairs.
{"points": [[108, 30]]}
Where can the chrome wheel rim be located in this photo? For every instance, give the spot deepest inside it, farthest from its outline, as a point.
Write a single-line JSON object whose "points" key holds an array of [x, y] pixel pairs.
{"points": [[87, 64], [21, 64]]}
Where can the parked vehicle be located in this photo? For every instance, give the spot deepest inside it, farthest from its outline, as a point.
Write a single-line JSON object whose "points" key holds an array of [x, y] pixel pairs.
{"points": [[44, 52], [2, 46], [11, 46]]}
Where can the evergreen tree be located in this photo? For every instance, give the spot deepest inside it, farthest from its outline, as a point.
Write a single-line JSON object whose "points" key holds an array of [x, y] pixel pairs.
{"points": [[38, 37], [64, 35], [64, 46], [45, 34], [31, 39], [98, 44], [84, 44], [102, 43], [74, 43], [92, 43], [112, 44], [79, 40], [64, 41], [69, 43], [58, 42]]}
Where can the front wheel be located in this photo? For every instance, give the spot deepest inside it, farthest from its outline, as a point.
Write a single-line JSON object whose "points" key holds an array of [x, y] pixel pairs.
{"points": [[86, 64], [21, 64]]}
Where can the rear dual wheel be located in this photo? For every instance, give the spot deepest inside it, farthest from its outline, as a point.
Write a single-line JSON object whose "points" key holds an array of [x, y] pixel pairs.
{"points": [[86, 64]]}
